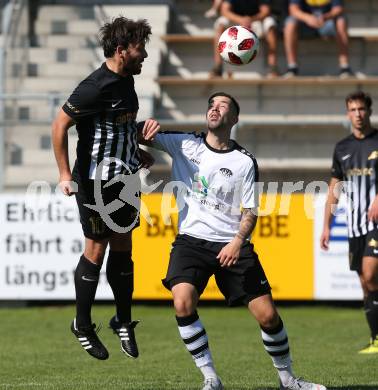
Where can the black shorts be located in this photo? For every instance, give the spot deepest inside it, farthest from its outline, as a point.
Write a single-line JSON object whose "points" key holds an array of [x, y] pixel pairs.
{"points": [[194, 260], [363, 246], [93, 225]]}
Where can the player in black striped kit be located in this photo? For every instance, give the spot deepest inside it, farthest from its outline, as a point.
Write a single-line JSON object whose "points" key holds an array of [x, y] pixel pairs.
{"points": [[355, 161], [104, 108], [218, 182]]}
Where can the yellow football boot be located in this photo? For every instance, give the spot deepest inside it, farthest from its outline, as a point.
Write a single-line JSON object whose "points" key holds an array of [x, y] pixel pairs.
{"points": [[371, 348]]}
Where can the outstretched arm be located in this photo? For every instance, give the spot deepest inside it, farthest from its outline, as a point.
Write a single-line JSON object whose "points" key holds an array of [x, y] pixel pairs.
{"points": [[229, 254]]}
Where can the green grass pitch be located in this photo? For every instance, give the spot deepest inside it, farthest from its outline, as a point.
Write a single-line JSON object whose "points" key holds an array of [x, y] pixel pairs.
{"points": [[38, 351]]}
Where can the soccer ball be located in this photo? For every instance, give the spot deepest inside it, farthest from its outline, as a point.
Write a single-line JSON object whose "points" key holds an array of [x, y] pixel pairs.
{"points": [[238, 45]]}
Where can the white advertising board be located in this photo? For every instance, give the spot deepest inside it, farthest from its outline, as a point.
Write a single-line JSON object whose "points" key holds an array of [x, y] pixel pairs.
{"points": [[41, 242], [333, 279]]}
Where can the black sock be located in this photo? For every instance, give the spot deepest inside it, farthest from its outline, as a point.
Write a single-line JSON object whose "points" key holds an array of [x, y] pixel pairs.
{"points": [[86, 281], [371, 310], [120, 274]]}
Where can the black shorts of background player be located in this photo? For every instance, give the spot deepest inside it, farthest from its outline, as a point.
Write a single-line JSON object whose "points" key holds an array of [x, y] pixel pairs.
{"points": [[219, 179], [104, 107], [355, 163]]}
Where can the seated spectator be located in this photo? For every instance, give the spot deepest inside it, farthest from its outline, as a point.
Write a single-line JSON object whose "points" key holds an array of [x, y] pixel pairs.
{"points": [[254, 14], [213, 11], [324, 18]]}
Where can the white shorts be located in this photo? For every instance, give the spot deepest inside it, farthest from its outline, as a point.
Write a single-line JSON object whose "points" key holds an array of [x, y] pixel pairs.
{"points": [[259, 27]]}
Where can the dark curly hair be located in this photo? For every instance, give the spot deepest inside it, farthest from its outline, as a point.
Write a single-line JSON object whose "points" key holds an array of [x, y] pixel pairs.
{"points": [[359, 95], [121, 32]]}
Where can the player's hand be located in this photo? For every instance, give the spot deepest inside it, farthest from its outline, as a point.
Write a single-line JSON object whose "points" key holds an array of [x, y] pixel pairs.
{"points": [[373, 211], [146, 159], [67, 185], [150, 128], [324, 239], [229, 254]]}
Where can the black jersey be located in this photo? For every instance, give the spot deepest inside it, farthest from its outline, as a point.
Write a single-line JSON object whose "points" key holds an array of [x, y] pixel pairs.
{"points": [[104, 107], [247, 7], [355, 161]]}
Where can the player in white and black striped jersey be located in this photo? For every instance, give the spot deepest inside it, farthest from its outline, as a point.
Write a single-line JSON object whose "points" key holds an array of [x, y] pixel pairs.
{"points": [[104, 108], [218, 179], [355, 162]]}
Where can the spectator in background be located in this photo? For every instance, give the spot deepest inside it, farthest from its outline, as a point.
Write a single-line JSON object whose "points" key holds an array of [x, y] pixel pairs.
{"points": [[214, 10], [324, 18], [254, 14]]}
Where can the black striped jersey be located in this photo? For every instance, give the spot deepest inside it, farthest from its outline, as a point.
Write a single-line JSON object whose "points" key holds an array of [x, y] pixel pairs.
{"points": [[104, 107], [355, 162], [211, 185]]}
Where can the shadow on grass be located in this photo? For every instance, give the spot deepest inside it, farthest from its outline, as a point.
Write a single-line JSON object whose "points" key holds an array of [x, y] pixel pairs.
{"points": [[347, 387], [354, 387]]}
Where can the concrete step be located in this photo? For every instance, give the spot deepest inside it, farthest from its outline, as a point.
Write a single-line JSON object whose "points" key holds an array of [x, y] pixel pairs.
{"points": [[157, 15], [22, 176], [67, 26], [40, 140], [50, 84], [295, 164], [39, 157], [316, 57], [65, 70], [45, 55], [64, 12], [185, 98], [68, 41]]}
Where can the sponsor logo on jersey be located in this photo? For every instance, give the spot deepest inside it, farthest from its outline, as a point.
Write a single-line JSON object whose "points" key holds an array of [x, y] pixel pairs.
{"points": [[200, 185], [198, 162], [124, 118], [373, 155], [373, 243], [360, 172], [115, 104], [345, 157], [72, 107], [226, 172]]}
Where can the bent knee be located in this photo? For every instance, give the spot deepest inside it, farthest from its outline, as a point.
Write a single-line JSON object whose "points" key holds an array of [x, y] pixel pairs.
{"points": [[269, 319], [183, 306]]}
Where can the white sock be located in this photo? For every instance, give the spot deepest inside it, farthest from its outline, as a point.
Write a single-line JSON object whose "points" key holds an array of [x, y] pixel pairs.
{"points": [[194, 336], [285, 374], [208, 371], [277, 345]]}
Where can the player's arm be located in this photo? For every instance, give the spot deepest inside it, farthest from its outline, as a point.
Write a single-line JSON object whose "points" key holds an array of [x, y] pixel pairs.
{"points": [[60, 128], [329, 210], [229, 254]]}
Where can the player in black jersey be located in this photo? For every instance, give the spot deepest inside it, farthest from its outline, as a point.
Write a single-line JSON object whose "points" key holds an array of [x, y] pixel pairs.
{"points": [[104, 107], [355, 161]]}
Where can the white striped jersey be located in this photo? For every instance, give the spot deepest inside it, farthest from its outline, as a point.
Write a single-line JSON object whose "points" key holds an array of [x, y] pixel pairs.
{"points": [[211, 185], [104, 107], [355, 162]]}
